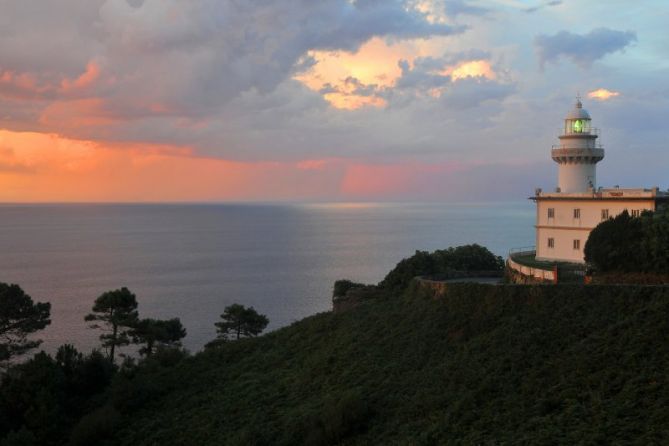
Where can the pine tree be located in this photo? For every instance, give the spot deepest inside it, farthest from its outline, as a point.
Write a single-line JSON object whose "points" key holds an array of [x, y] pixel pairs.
{"points": [[239, 321], [117, 311], [19, 317]]}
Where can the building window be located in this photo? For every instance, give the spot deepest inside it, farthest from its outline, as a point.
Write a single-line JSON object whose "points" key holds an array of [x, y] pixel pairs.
{"points": [[577, 213], [636, 213], [551, 242], [577, 244], [551, 212], [605, 214]]}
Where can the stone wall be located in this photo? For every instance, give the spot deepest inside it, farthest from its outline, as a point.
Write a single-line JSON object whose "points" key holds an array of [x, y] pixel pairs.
{"points": [[521, 274]]}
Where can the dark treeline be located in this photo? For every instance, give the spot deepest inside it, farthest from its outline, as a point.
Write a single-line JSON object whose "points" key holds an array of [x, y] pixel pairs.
{"points": [[77, 398]]}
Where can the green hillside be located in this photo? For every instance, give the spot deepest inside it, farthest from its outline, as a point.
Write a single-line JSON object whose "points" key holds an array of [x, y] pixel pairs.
{"points": [[483, 365]]}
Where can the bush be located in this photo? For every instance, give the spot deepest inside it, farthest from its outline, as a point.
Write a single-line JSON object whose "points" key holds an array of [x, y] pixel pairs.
{"points": [[630, 244], [341, 287], [463, 258]]}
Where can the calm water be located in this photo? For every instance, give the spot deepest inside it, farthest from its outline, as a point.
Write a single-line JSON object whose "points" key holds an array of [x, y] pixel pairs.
{"points": [[190, 261]]}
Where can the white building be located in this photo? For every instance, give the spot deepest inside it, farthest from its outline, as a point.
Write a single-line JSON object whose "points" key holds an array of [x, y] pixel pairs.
{"points": [[566, 217]]}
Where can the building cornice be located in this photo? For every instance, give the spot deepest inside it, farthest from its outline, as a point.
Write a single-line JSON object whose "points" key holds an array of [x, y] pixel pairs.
{"points": [[594, 198], [571, 228]]}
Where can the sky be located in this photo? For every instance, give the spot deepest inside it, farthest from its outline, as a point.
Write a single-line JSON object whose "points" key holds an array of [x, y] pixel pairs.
{"points": [[334, 100]]}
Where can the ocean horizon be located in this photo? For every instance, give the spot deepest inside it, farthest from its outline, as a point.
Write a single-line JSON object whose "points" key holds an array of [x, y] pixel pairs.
{"points": [[191, 260]]}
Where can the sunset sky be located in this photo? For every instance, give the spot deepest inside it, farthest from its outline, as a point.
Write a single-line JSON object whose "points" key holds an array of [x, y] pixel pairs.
{"points": [[349, 100]]}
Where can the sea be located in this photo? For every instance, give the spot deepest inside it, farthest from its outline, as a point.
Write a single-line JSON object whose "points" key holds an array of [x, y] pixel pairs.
{"points": [[192, 260]]}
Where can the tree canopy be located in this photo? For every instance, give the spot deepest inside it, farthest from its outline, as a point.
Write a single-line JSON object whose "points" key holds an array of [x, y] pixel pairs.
{"points": [[631, 244], [240, 321], [156, 334], [19, 317], [117, 311], [462, 258]]}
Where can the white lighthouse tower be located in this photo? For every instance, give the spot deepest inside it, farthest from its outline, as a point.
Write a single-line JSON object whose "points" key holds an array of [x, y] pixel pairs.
{"points": [[566, 216], [578, 152]]}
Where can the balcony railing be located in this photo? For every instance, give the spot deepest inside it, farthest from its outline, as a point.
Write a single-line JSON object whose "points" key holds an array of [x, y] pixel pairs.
{"points": [[596, 146]]}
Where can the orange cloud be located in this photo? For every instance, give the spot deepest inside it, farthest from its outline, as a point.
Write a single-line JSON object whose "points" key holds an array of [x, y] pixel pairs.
{"points": [[39, 167], [76, 113], [47, 167], [86, 79], [21, 85], [374, 64], [312, 164], [32, 86], [374, 180], [340, 76], [602, 94], [471, 68]]}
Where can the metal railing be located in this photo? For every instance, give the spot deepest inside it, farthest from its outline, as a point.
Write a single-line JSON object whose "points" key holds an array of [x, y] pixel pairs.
{"points": [[525, 250], [597, 146]]}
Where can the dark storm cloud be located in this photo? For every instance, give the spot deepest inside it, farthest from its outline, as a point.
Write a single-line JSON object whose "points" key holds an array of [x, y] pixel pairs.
{"points": [[582, 49]]}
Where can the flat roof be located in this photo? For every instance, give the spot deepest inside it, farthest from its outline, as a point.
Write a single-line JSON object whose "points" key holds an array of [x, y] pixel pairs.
{"points": [[605, 195]]}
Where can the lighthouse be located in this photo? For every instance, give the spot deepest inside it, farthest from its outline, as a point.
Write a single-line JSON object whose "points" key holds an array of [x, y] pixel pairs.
{"points": [[566, 216], [578, 153]]}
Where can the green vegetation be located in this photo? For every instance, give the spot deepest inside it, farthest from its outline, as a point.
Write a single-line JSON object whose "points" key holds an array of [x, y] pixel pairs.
{"points": [[117, 310], [481, 364], [19, 317], [48, 400], [341, 287], [240, 321], [42, 398], [157, 334], [422, 263], [631, 244]]}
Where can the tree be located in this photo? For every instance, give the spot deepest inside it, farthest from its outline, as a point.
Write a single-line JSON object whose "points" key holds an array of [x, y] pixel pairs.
{"points": [[240, 321], [156, 334], [19, 317], [117, 310], [462, 258]]}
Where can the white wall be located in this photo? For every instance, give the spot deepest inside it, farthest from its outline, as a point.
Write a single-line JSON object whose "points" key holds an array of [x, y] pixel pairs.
{"points": [[576, 177], [564, 228]]}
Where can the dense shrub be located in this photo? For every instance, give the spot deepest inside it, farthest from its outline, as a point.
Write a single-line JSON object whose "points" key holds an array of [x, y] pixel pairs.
{"points": [[631, 244], [483, 365], [341, 287], [463, 258], [43, 397]]}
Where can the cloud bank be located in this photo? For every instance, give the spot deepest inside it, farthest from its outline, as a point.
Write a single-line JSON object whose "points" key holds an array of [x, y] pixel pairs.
{"points": [[295, 98], [582, 49]]}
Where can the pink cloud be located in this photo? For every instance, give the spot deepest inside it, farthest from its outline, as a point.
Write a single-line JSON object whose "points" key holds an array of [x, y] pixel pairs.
{"points": [[86, 79], [22, 85], [312, 164], [73, 114], [378, 180]]}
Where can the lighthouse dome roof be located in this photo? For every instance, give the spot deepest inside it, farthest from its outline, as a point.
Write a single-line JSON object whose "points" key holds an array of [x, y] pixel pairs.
{"points": [[578, 112]]}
